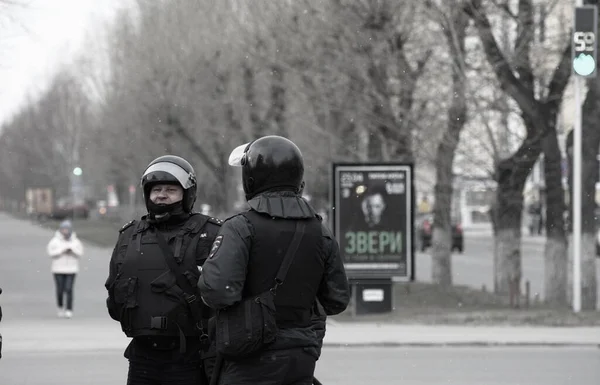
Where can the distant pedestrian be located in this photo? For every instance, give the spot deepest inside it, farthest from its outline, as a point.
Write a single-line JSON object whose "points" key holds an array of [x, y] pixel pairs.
{"points": [[536, 218], [65, 249]]}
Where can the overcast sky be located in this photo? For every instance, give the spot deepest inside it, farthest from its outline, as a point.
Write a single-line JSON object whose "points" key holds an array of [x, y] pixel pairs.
{"points": [[37, 37]]}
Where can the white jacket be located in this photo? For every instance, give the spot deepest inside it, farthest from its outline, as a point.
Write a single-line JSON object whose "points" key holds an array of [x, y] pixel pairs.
{"points": [[64, 262]]}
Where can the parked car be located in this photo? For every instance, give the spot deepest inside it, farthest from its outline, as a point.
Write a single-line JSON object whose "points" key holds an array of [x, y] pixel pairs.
{"points": [[424, 227], [106, 212]]}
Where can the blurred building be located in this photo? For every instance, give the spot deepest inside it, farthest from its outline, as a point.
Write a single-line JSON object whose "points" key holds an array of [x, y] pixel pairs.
{"points": [[473, 199]]}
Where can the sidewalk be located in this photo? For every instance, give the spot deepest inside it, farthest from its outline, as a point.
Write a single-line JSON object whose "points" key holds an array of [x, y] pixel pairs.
{"points": [[46, 336], [371, 334]]}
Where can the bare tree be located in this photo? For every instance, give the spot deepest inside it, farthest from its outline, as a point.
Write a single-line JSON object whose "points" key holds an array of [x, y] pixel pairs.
{"points": [[539, 112], [172, 90], [381, 34], [453, 22], [43, 141], [174, 86]]}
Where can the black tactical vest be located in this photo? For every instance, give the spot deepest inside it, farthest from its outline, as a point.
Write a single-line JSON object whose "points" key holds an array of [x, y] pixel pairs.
{"points": [[296, 296], [151, 302]]}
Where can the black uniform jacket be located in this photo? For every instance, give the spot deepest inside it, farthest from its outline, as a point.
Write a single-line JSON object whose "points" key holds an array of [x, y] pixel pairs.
{"points": [[224, 274]]}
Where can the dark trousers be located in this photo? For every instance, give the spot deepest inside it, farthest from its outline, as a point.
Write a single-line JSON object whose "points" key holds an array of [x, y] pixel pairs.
{"points": [[150, 372], [64, 287], [275, 367], [163, 366]]}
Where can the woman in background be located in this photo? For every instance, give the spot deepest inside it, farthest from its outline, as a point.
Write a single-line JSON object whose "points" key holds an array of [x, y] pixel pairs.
{"points": [[65, 249]]}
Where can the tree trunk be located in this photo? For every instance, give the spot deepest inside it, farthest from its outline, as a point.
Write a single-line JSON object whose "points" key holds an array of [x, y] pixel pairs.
{"points": [[256, 122], [222, 200], [507, 258], [278, 102], [231, 175], [441, 271], [374, 146], [517, 80], [511, 174], [555, 252], [441, 258]]}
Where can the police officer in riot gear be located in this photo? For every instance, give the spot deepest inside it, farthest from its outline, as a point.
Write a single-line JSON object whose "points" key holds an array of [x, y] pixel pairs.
{"points": [[248, 252], [153, 274]]}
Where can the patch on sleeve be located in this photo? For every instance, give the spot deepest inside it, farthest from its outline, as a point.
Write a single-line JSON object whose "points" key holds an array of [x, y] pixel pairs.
{"points": [[215, 246]]}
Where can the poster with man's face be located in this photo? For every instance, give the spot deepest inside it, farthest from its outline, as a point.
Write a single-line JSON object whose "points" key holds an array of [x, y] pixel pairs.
{"points": [[373, 222]]}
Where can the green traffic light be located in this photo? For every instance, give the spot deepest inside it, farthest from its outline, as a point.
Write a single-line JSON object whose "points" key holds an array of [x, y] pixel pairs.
{"points": [[584, 64]]}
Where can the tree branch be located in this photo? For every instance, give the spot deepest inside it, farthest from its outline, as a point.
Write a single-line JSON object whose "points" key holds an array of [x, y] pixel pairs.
{"points": [[174, 122], [523, 42], [505, 8], [560, 78], [421, 63], [508, 81]]}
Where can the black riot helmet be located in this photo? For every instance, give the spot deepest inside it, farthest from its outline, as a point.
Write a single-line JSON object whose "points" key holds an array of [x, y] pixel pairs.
{"points": [[270, 162], [171, 169]]}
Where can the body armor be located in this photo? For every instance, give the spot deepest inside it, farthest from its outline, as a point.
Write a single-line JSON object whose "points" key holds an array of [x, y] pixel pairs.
{"points": [[148, 300], [296, 297]]}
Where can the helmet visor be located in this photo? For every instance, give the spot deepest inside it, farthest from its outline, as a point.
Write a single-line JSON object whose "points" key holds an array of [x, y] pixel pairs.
{"points": [[236, 156], [184, 178]]}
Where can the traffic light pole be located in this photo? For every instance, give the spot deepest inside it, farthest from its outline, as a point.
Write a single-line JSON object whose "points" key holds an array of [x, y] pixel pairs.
{"points": [[584, 66], [576, 199]]}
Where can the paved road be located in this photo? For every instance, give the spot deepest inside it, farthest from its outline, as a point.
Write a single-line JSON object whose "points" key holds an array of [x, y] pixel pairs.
{"points": [[348, 366], [475, 266], [26, 280], [28, 287], [28, 305]]}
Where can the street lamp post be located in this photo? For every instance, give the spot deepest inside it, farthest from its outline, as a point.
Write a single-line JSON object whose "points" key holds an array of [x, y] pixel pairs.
{"points": [[75, 187]]}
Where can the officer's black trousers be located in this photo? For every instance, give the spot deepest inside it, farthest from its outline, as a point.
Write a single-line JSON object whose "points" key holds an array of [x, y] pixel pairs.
{"points": [[149, 365], [276, 367], [144, 371]]}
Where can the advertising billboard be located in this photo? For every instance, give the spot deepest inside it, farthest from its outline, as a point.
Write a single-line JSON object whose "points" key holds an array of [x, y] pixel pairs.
{"points": [[373, 219]]}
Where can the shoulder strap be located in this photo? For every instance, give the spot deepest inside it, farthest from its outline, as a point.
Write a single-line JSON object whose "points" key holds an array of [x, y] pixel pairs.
{"points": [[290, 254], [174, 267], [192, 226], [197, 310], [196, 222], [126, 226], [215, 221]]}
